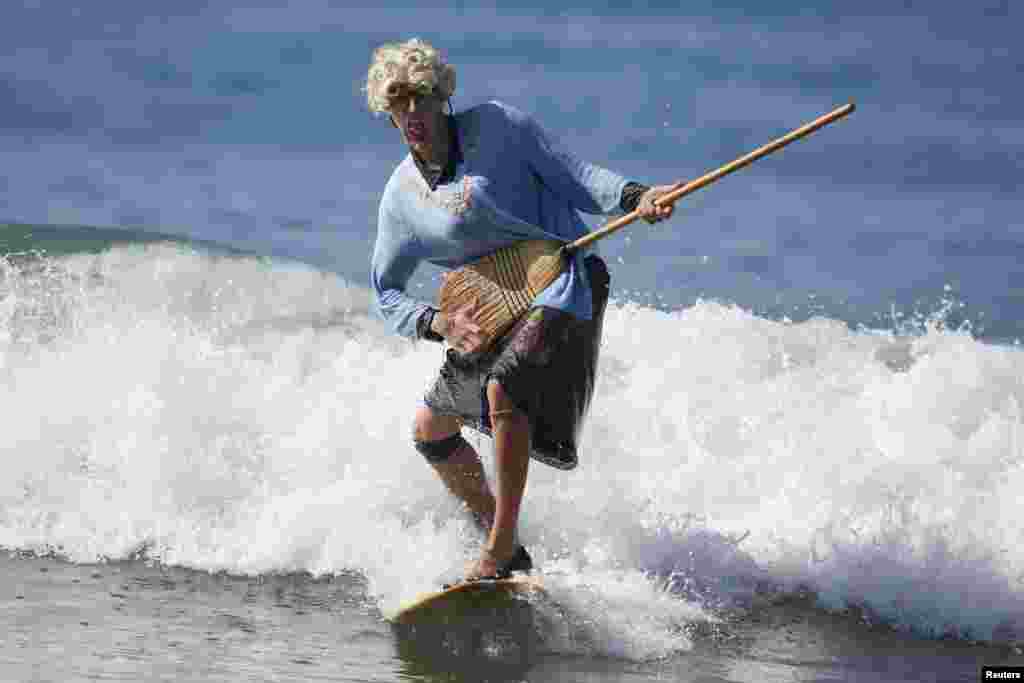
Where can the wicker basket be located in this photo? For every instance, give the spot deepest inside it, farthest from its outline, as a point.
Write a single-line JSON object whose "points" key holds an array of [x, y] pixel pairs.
{"points": [[504, 283]]}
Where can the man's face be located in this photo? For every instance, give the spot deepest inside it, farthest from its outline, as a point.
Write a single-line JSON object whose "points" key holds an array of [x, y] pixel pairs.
{"points": [[416, 113]]}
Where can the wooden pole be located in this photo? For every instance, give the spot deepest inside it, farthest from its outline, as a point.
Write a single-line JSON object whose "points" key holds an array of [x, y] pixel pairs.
{"points": [[711, 177]]}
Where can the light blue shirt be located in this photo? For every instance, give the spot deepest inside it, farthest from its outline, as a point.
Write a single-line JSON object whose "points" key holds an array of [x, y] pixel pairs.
{"points": [[515, 182]]}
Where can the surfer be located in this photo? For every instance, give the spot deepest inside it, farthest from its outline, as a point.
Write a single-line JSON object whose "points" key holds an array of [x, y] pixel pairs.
{"points": [[474, 182]]}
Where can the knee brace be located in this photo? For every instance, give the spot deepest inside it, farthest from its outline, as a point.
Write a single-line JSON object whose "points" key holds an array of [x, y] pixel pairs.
{"points": [[439, 451]]}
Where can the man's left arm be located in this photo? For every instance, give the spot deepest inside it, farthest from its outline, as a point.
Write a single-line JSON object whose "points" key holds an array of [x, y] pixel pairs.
{"points": [[588, 187]]}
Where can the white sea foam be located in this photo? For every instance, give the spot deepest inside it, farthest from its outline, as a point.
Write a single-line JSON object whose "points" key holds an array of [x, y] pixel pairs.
{"points": [[253, 416]]}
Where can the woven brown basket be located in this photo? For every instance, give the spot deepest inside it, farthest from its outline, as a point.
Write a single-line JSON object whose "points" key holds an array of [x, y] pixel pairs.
{"points": [[504, 283]]}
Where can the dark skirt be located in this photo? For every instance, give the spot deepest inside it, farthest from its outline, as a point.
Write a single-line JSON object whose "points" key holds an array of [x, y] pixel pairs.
{"points": [[546, 364]]}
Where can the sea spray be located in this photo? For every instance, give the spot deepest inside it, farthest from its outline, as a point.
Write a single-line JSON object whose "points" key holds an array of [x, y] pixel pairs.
{"points": [[252, 416]]}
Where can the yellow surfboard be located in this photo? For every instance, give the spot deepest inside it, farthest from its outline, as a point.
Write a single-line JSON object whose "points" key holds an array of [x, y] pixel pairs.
{"points": [[466, 596]]}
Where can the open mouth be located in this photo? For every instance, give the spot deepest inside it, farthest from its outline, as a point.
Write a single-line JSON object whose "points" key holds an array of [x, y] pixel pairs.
{"points": [[416, 130]]}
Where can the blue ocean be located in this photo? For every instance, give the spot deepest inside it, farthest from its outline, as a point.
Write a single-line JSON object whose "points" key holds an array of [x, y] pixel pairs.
{"points": [[805, 456]]}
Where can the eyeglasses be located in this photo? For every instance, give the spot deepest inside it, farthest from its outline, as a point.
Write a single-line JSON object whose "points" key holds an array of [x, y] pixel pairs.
{"points": [[401, 97]]}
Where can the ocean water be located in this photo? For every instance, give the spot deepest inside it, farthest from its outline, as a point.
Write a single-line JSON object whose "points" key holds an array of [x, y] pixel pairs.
{"points": [[804, 460], [208, 475]]}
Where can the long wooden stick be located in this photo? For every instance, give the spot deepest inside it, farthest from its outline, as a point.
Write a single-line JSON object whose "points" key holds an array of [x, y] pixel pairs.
{"points": [[709, 178]]}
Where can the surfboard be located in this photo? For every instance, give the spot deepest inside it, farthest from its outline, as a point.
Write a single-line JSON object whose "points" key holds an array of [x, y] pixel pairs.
{"points": [[466, 596]]}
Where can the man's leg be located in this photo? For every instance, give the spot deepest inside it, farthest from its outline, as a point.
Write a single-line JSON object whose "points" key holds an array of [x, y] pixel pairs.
{"points": [[460, 471], [511, 429]]}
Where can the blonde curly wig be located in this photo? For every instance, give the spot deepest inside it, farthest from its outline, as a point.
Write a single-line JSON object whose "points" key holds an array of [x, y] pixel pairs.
{"points": [[414, 63]]}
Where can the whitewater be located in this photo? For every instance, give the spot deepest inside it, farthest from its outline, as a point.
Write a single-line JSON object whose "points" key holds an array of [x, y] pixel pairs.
{"points": [[252, 416]]}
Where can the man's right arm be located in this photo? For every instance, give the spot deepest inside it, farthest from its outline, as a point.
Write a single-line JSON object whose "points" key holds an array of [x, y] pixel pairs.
{"points": [[396, 255]]}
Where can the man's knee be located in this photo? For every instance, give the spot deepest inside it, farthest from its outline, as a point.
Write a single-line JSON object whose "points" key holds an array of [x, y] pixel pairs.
{"points": [[436, 437]]}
